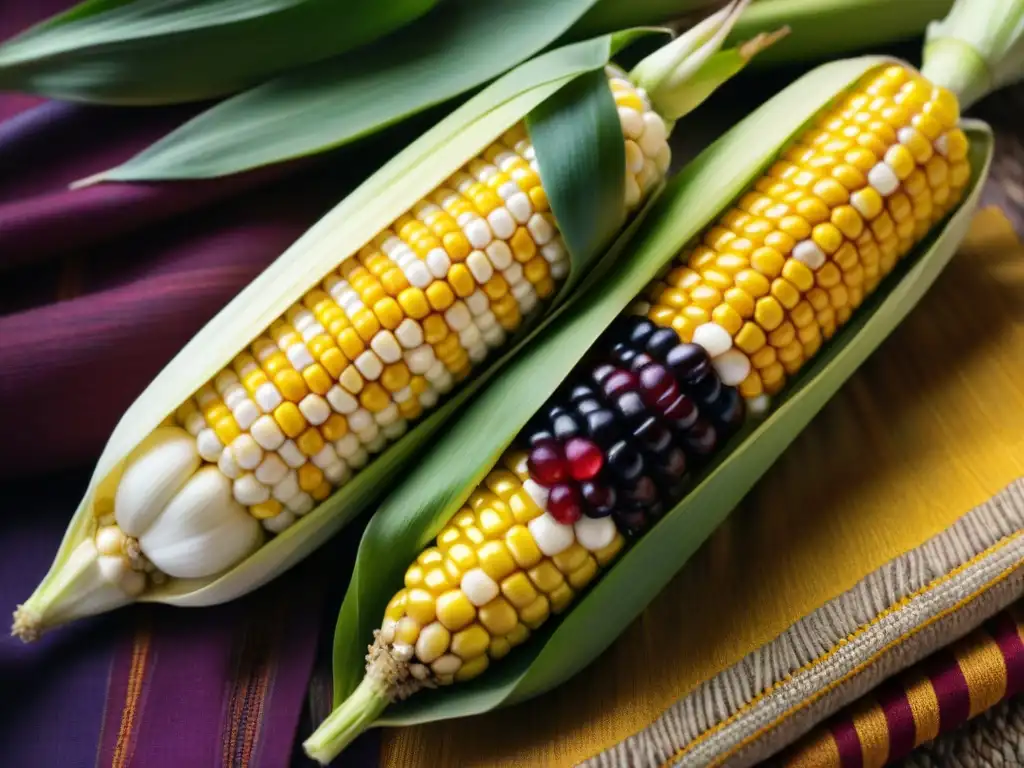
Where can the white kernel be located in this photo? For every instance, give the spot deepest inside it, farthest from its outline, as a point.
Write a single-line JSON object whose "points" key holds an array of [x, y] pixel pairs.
{"points": [[941, 144], [402, 651], [360, 419], [632, 122], [523, 291], [209, 445], [299, 357], [540, 229], [394, 431], [477, 353], [248, 490], [228, 466], [110, 540], [470, 335], [388, 415], [537, 492], [271, 470], [312, 331], [809, 253], [478, 302], [386, 346], [663, 160], [369, 434], [550, 535], [417, 274], [444, 383], [377, 444], [554, 251], [409, 333], [325, 456], [337, 473], [224, 380], [369, 365], [279, 522], [291, 454], [405, 393], [420, 359], [758, 406], [389, 242], [286, 488], [513, 273], [595, 533], [358, 459], [205, 396], [559, 269], [341, 401], [477, 232], [458, 317], [502, 223], [485, 320], [883, 179], [519, 205], [654, 134], [478, 586], [634, 157], [504, 160], [112, 568], [448, 664], [267, 397], [195, 423], [499, 254], [428, 398], [346, 446], [315, 409], [300, 504], [494, 336], [234, 395], [133, 583], [427, 651], [632, 191], [438, 262], [245, 413], [648, 176], [267, 433], [479, 266], [713, 337], [732, 367], [465, 217]]}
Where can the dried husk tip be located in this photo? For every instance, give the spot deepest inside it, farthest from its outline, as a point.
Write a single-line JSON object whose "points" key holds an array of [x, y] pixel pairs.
{"points": [[976, 49]]}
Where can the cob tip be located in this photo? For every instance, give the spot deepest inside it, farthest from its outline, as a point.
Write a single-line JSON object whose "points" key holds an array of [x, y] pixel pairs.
{"points": [[387, 679], [26, 625]]}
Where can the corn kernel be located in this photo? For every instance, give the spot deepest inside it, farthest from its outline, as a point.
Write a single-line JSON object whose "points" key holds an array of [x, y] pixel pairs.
{"points": [[829, 275], [433, 641], [440, 295], [227, 429], [536, 612], [795, 227], [454, 610], [769, 313], [545, 576], [561, 597], [290, 419], [753, 283], [785, 293], [583, 575], [470, 642], [731, 263], [764, 357], [419, 604], [523, 507], [436, 580], [265, 510], [495, 560], [773, 377], [350, 343], [740, 301], [407, 630], [396, 608], [749, 387], [291, 385], [813, 210], [499, 648], [570, 559], [518, 590], [607, 554], [750, 338], [413, 576], [767, 261], [727, 317], [498, 616], [831, 192], [782, 335], [521, 544]]}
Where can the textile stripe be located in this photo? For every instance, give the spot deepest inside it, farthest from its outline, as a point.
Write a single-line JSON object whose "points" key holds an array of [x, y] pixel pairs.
{"points": [[951, 689], [983, 668], [821, 750], [873, 734], [850, 755], [1008, 633], [899, 719], [924, 705], [130, 710]]}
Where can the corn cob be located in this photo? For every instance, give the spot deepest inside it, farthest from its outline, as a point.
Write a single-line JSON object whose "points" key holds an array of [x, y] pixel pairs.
{"points": [[790, 263], [663, 388], [368, 351]]}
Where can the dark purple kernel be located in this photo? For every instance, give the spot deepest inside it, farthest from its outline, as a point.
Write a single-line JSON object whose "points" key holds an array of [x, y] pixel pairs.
{"points": [[640, 332], [655, 511], [653, 435], [580, 392], [619, 382], [642, 491], [600, 499], [564, 503], [661, 342], [729, 410], [656, 381], [588, 406], [632, 522], [708, 388], [602, 372], [701, 438], [565, 426], [554, 412], [540, 436], [681, 410], [625, 461], [672, 463], [602, 427], [631, 407], [640, 360], [687, 360], [623, 354]]}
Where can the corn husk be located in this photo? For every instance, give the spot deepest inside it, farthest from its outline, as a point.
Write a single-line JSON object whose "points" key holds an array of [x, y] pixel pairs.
{"points": [[417, 510]]}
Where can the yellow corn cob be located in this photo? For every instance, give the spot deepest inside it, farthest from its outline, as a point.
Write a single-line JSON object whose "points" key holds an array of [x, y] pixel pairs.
{"points": [[381, 339], [771, 280], [788, 265]]}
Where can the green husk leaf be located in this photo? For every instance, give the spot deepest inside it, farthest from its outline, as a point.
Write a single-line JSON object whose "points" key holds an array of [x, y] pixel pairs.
{"points": [[168, 51], [409, 176], [829, 28], [416, 511], [454, 49], [976, 49], [607, 15]]}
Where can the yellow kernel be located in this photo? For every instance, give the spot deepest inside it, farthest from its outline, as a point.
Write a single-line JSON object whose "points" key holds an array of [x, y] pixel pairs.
{"points": [[818, 299], [413, 576], [782, 335], [407, 630], [365, 323], [716, 279], [419, 604], [310, 442], [440, 295], [928, 124], [846, 257], [900, 207], [767, 261], [773, 377], [705, 297], [753, 283], [783, 290], [898, 158], [798, 274], [495, 560], [831, 192], [545, 576], [521, 544], [290, 419], [582, 576], [956, 145], [265, 510], [461, 280], [471, 669], [741, 301], [291, 385], [769, 313], [607, 554], [561, 597], [959, 174], [396, 608], [374, 397], [534, 614], [495, 520], [696, 314], [795, 227], [499, 647], [883, 226], [727, 317], [716, 239], [764, 357], [860, 158], [828, 237], [310, 477], [867, 201], [829, 275], [838, 296], [518, 589], [751, 386], [780, 241], [498, 616], [791, 355], [750, 338], [846, 219], [570, 559], [351, 343], [731, 263], [454, 610], [448, 538], [813, 210], [470, 642], [227, 429]]}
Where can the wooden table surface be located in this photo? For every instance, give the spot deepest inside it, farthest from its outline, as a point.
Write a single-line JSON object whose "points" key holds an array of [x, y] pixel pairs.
{"points": [[930, 426]]}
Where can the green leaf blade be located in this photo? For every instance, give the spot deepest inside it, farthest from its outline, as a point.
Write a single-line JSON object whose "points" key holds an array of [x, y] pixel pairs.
{"points": [[171, 51], [446, 54]]}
